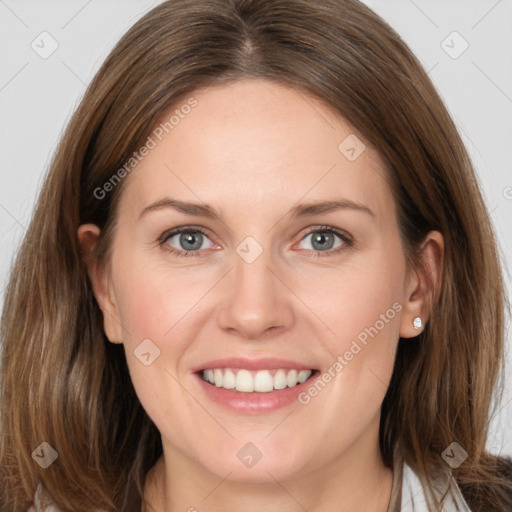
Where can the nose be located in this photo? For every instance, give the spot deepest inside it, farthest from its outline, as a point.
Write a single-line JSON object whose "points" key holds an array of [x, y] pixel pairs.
{"points": [[257, 302]]}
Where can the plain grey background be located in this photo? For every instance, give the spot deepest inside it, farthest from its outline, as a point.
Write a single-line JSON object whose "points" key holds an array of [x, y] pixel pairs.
{"points": [[49, 52]]}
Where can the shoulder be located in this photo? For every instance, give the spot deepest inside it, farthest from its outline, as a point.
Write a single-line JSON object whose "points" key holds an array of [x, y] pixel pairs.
{"points": [[467, 497], [504, 466], [41, 498], [413, 493], [480, 496], [43, 501]]}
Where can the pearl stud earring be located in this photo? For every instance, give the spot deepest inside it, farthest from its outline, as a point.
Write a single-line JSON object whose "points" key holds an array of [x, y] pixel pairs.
{"points": [[417, 323]]}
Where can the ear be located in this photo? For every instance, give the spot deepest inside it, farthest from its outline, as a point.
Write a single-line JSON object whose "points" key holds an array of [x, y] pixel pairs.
{"points": [[423, 284], [88, 235]]}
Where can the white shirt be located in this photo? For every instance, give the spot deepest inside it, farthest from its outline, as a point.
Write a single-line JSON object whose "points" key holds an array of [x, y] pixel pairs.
{"points": [[413, 495]]}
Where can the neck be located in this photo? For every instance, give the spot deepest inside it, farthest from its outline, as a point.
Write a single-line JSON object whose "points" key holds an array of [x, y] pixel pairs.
{"points": [[355, 480]]}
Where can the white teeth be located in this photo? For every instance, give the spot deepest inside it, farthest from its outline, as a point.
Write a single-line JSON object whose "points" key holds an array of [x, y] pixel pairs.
{"points": [[244, 381], [209, 376], [261, 381], [291, 378], [280, 380], [229, 381], [302, 377]]}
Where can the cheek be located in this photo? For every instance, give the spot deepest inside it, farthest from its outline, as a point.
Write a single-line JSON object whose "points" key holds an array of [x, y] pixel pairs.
{"points": [[369, 322], [157, 311], [368, 309], [362, 309], [347, 397], [359, 300], [154, 302]]}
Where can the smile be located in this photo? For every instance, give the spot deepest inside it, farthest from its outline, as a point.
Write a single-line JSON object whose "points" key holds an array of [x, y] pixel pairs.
{"points": [[250, 381]]}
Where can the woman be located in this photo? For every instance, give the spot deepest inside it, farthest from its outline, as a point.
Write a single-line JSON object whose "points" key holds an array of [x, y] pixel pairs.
{"points": [[260, 276]]}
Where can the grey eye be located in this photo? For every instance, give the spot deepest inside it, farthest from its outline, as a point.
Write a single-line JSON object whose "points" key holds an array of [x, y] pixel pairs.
{"points": [[322, 240]]}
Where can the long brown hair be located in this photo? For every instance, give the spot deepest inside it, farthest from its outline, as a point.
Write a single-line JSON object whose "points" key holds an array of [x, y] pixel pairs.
{"points": [[64, 384]]}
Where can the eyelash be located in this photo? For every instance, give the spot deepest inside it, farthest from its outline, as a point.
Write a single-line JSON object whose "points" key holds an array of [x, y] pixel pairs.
{"points": [[348, 242]]}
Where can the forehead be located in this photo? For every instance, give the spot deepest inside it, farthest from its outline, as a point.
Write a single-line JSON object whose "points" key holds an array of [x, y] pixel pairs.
{"points": [[255, 143]]}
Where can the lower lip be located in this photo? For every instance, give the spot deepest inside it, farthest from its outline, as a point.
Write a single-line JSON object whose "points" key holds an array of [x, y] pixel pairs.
{"points": [[255, 403]]}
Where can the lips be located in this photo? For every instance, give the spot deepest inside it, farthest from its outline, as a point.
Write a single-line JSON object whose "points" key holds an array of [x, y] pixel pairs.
{"points": [[253, 385]]}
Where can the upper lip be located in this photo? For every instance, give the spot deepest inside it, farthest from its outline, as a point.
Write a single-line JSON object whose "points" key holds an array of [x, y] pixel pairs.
{"points": [[265, 363]]}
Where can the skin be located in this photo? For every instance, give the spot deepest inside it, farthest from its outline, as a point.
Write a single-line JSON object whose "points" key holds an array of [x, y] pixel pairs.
{"points": [[254, 149]]}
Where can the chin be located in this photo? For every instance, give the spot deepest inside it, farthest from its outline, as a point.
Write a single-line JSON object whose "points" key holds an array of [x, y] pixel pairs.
{"points": [[249, 465]]}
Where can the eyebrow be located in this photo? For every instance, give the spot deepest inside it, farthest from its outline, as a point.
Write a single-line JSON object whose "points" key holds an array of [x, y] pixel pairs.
{"points": [[301, 210]]}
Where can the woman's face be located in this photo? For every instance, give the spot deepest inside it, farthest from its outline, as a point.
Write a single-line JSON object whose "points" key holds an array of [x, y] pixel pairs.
{"points": [[269, 289]]}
